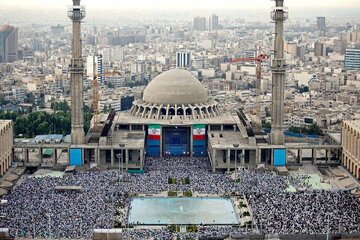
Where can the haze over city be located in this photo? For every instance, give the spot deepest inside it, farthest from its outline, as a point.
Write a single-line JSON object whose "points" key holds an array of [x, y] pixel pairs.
{"points": [[184, 4]]}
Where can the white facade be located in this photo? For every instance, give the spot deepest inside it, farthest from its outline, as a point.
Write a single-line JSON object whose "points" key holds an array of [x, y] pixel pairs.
{"points": [[99, 68]]}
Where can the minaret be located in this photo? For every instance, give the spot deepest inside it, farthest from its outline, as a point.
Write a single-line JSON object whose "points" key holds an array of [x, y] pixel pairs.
{"points": [[76, 68], [279, 15]]}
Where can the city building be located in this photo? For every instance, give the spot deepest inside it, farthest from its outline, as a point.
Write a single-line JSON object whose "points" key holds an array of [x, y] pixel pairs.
{"points": [[57, 30], [352, 59], [183, 59], [6, 143], [213, 22], [319, 50], [321, 25], [200, 23], [8, 44], [351, 146], [99, 68]]}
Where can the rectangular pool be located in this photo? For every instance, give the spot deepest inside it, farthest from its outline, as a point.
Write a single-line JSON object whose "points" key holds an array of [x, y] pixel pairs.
{"points": [[162, 211]]}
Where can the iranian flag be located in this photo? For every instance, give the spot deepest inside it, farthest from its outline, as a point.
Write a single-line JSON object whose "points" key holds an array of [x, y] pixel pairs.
{"points": [[154, 132], [199, 132]]}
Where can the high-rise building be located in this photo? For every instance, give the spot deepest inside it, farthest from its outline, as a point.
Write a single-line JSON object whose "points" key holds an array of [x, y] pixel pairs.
{"points": [[319, 49], [57, 30], [117, 54], [6, 142], [213, 22], [183, 59], [352, 59], [200, 23], [106, 56], [321, 25], [96, 60], [8, 44], [351, 146], [339, 46]]}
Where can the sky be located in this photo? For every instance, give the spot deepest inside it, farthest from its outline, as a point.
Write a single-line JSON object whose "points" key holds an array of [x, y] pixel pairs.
{"points": [[180, 4]]}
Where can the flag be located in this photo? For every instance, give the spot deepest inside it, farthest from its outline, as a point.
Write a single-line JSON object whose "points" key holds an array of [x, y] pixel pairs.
{"points": [[154, 132], [199, 132]]}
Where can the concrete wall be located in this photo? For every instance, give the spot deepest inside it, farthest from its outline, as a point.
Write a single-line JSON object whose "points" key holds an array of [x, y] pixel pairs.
{"points": [[351, 146], [6, 143]]}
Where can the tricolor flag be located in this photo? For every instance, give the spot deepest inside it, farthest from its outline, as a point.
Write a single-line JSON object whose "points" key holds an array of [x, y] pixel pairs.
{"points": [[154, 132], [199, 132]]}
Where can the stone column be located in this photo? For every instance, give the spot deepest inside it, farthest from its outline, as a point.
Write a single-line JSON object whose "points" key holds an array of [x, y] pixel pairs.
{"points": [[141, 159], [55, 156], [112, 157], [258, 156], [40, 155], [127, 158], [300, 156], [242, 160], [228, 160], [213, 160], [191, 142]]}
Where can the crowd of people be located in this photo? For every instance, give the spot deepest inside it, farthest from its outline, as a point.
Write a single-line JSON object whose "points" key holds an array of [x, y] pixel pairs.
{"points": [[36, 209], [313, 212]]}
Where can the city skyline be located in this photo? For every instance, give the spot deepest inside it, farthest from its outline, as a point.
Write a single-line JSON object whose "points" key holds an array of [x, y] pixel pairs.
{"points": [[185, 4]]}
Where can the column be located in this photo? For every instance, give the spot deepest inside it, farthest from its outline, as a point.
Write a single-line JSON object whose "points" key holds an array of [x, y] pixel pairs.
{"points": [[55, 156], [191, 142], [258, 156], [228, 160], [141, 159], [242, 158], [40, 155], [161, 142], [213, 160], [328, 153], [127, 158], [300, 156], [315, 157], [26, 155], [112, 157], [96, 155]]}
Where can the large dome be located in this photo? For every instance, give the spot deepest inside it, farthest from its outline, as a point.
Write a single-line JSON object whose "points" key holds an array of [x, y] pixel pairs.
{"points": [[175, 87], [175, 95]]}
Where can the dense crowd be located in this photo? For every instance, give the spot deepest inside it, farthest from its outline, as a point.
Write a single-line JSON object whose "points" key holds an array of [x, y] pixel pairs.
{"points": [[35, 208], [306, 212]]}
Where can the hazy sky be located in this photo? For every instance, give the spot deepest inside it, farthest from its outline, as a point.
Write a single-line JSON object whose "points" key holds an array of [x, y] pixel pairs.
{"points": [[183, 4]]}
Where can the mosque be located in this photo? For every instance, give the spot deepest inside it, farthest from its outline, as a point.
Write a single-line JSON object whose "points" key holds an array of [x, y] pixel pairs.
{"points": [[174, 117]]}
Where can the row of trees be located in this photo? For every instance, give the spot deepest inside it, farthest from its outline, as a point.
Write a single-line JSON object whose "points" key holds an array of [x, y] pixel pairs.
{"points": [[314, 129], [39, 122]]}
